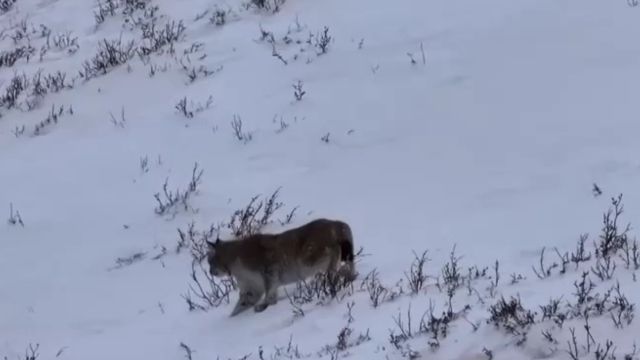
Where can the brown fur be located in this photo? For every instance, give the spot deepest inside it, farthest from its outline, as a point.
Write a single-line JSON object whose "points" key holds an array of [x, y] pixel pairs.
{"points": [[261, 263]]}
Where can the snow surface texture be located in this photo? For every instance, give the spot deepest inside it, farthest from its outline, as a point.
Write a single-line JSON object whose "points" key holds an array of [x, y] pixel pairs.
{"points": [[424, 124]]}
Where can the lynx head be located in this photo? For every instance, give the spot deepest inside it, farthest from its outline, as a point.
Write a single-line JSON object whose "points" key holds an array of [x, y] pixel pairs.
{"points": [[217, 263]]}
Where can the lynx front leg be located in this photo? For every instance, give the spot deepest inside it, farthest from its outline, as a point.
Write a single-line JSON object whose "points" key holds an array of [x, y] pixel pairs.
{"points": [[348, 271], [334, 262], [271, 292], [247, 299]]}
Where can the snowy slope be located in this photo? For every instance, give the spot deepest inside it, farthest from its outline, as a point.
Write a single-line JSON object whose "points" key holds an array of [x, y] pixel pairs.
{"points": [[492, 145]]}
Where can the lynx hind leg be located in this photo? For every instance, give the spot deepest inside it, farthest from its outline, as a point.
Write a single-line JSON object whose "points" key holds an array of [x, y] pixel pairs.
{"points": [[334, 260], [247, 299]]}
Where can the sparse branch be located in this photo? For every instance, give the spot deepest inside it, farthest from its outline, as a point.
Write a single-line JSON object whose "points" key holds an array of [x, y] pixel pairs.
{"points": [[119, 122], [572, 345], [298, 91], [187, 350], [175, 200], [543, 272], [236, 125], [216, 294], [416, 275], [14, 216]]}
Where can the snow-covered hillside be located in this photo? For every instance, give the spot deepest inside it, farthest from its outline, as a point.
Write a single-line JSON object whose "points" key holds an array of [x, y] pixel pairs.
{"points": [[491, 129]]}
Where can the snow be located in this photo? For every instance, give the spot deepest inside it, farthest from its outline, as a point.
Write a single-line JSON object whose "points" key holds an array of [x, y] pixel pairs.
{"points": [[492, 146]]}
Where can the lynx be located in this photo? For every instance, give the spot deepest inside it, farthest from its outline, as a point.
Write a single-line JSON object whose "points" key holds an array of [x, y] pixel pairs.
{"points": [[261, 263]]}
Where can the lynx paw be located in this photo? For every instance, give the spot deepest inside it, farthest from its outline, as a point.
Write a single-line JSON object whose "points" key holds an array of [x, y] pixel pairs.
{"points": [[260, 307]]}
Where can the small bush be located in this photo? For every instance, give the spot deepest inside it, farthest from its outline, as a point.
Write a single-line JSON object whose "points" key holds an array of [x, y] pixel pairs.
{"points": [[6, 5], [14, 216], [51, 119], [345, 338], [9, 58], [511, 316], [105, 9], [219, 16], [322, 41], [196, 240], [111, 54], [188, 109], [272, 6], [236, 125], [416, 276], [452, 277], [17, 85], [378, 293], [551, 311], [215, 294], [613, 238], [57, 82], [66, 42], [257, 214], [298, 91], [155, 39], [173, 201]]}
